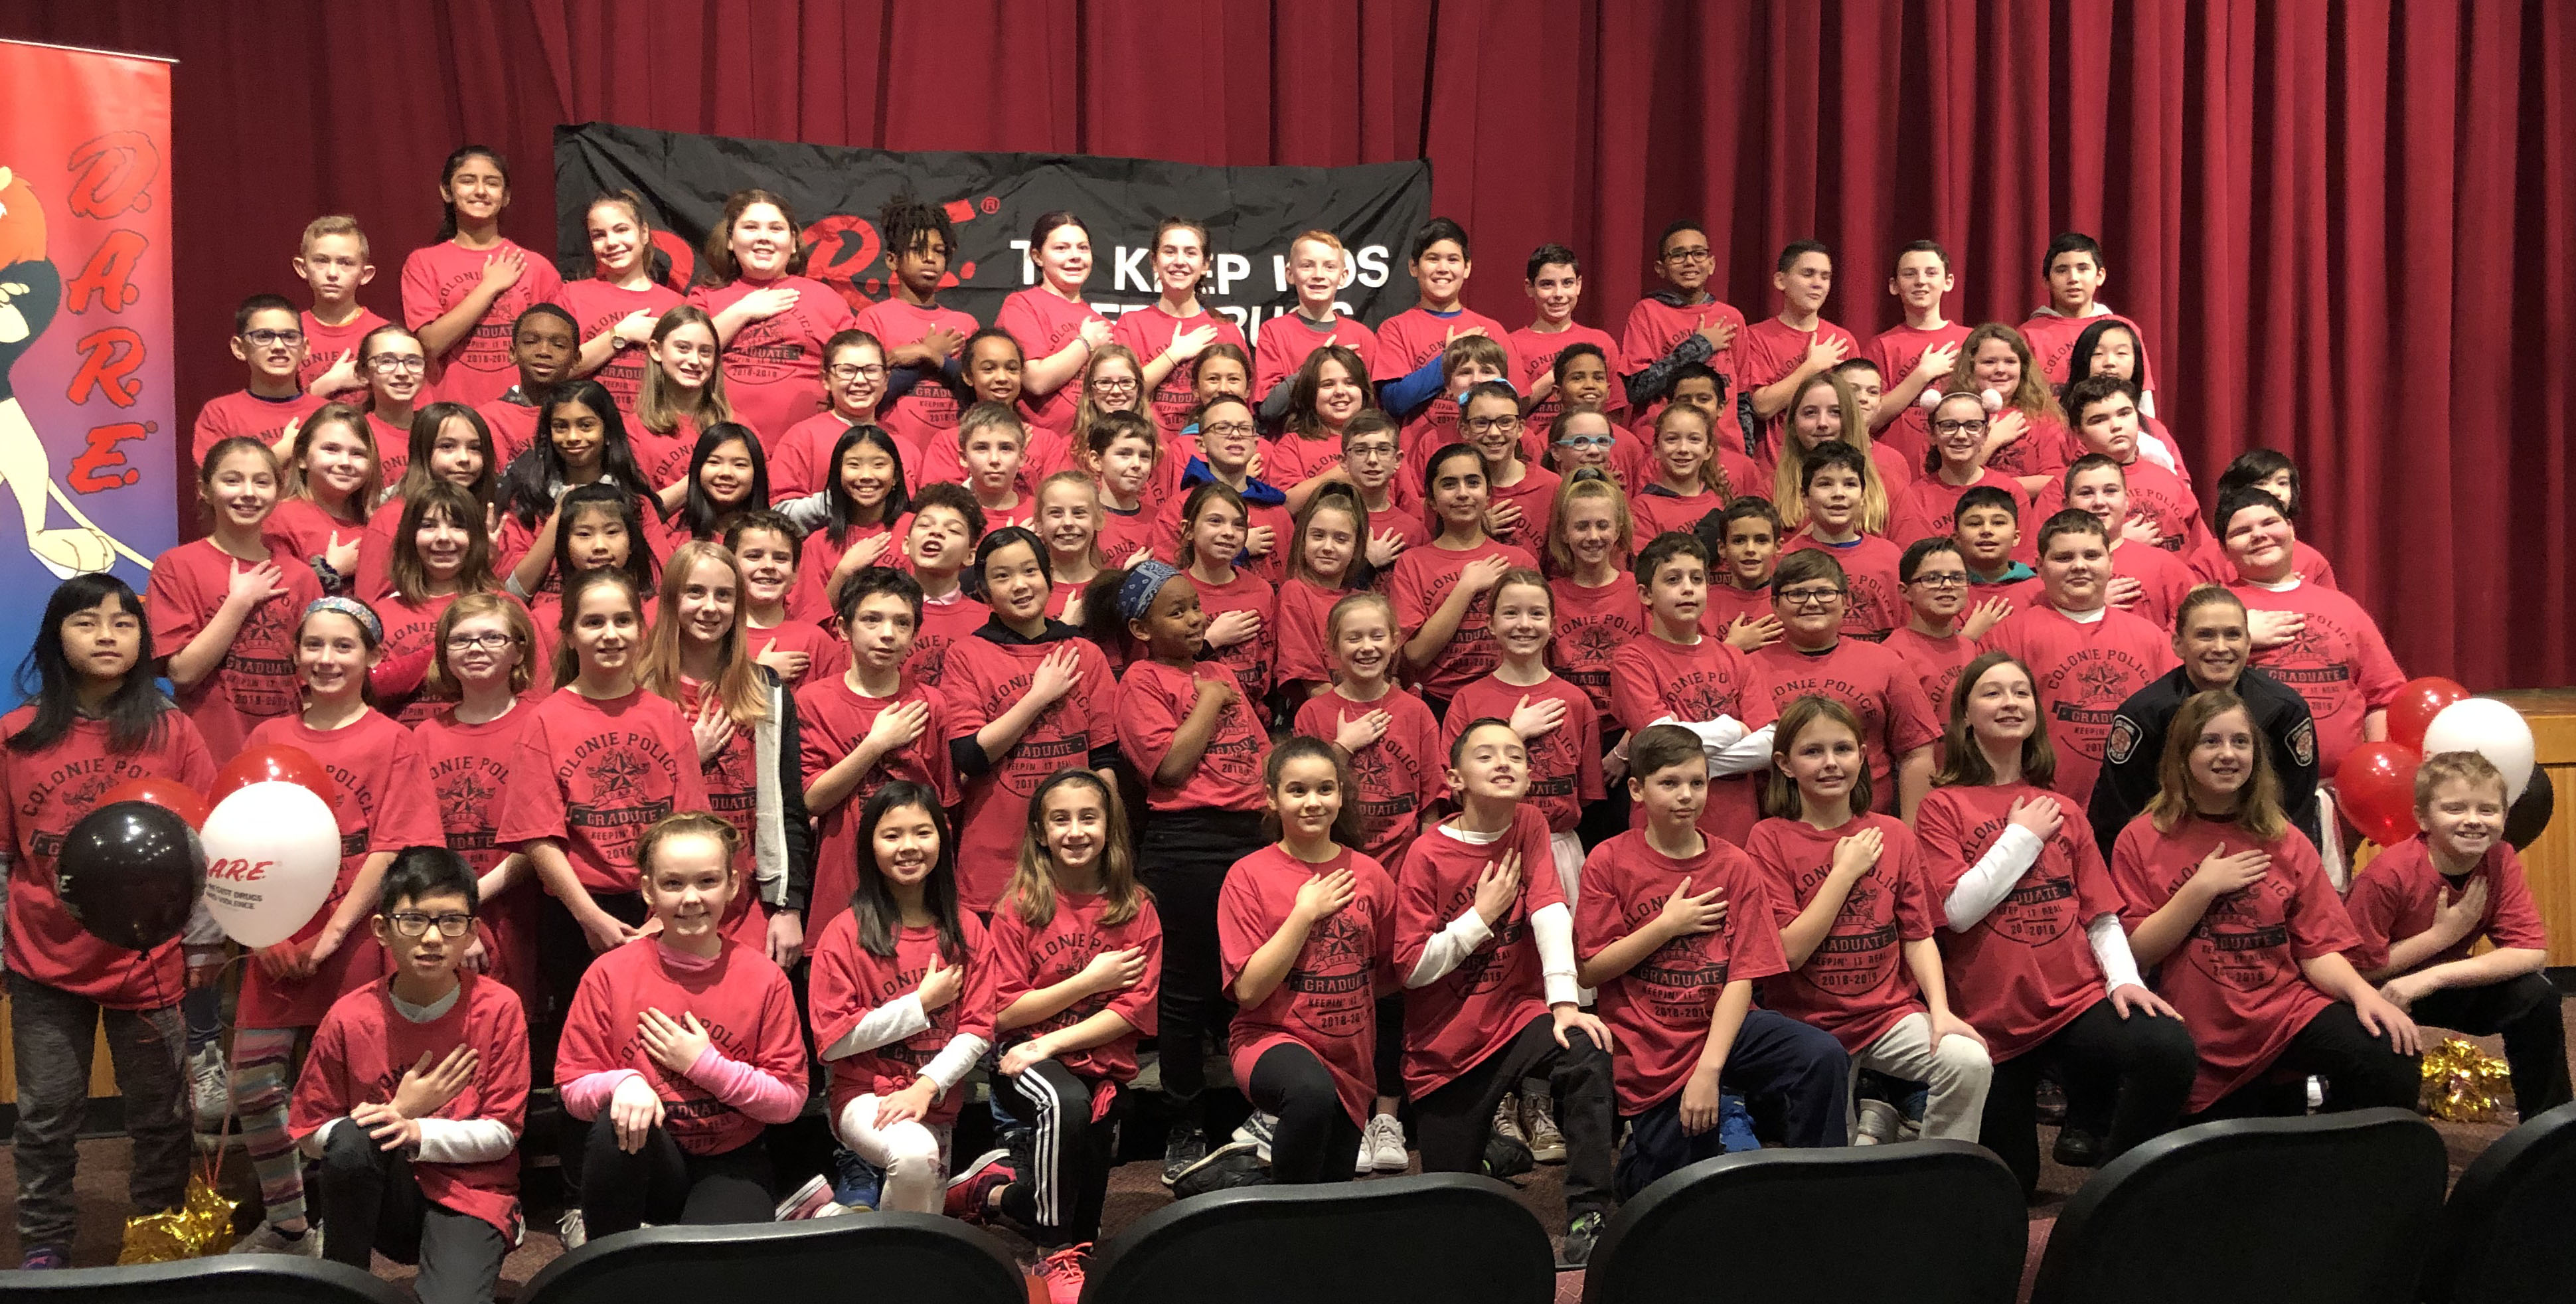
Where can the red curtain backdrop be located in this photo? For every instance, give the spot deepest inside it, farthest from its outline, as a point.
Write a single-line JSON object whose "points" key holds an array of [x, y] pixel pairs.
{"points": [[2346, 226]]}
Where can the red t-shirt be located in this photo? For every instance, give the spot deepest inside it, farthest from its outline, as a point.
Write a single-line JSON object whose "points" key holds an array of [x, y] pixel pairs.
{"points": [[514, 431], [42, 795], [1724, 604], [1654, 327], [1656, 510], [1299, 636], [800, 460], [2394, 897], [663, 459], [1934, 502], [477, 367], [1876, 603], [410, 630], [1420, 581], [1767, 350], [943, 626], [593, 775], [2154, 493], [1153, 700], [1855, 984], [926, 416], [245, 414], [827, 656], [1536, 493], [1044, 322], [848, 981], [741, 999], [1537, 351], [1895, 717], [1148, 331], [2046, 448], [1651, 679], [1399, 776], [302, 529], [1122, 533], [1293, 459], [1028, 957], [1564, 762], [256, 680], [1896, 350], [818, 558], [1659, 1010], [2339, 663], [832, 719], [2211, 563], [382, 801], [1287, 339], [773, 369], [1591, 626], [1164, 537], [1250, 660], [1936, 663], [596, 307], [2235, 979], [2026, 969], [1328, 1002], [393, 450], [363, 1048], [323, 346], [469, 766], [1476, 1009], [985, 680], [2084, 672], [1417, 335]]}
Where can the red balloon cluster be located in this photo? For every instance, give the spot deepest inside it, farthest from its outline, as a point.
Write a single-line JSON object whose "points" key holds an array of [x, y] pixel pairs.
{"points": [[2376, 785]]}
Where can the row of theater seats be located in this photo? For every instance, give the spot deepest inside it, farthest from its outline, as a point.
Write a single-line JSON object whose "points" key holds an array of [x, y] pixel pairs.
{"points": [[2335, 1209]]}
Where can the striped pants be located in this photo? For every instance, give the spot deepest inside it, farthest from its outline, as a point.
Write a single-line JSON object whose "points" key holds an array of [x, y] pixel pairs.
{"points": [[1065, 1178]]}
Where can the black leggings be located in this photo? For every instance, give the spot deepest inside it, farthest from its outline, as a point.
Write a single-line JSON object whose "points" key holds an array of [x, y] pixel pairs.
{"points": [[1454, 1121], [563, 956], [1316, 1140], [2361, 1072], [2145, 1062], [371, 1200], [1064, 1178], [1183, 858], [664, 1184]]}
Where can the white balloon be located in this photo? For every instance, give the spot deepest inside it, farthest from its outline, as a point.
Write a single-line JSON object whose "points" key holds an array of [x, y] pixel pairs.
{"points": [[272, 853], [2492, 730]]}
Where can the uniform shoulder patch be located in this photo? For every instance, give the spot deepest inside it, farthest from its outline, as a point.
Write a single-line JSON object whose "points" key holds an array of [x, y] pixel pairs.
{"points": [[2123, 740], [2303, 742]]}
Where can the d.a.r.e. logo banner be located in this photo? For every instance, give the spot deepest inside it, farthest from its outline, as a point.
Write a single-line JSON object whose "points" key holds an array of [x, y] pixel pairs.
{"points": [[87, 421]]}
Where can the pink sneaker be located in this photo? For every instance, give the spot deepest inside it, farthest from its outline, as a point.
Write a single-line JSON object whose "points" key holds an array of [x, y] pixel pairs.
{"points": [[1063, 1273]]}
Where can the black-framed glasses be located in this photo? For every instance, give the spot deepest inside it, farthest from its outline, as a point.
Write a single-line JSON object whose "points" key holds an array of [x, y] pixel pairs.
{"points": [[1228, 429], [1119, 383], [1943, 580], [399, 362], [1695, 254], [414, 924], [268, 339], [1488, 425], [849, 371], [1976, 425], [492, 641], [1371, 448], [1802, 598]]}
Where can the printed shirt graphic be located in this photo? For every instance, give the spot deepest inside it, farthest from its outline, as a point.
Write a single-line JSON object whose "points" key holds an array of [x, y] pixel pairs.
{"points": [[1876, 603], [1153, 700], [1651, 679], [256, 680], [742, 1000], [1875, 683], [1476, 1009], [773, 369], [1148, 331], [1592, 624], [1420, 581], [1328, 1001], [849, 981], [1028, 957], [1659, 1010], [596, 308], [2394, 897], [2339, 663], [2025, 970], [475, 369], [2084, 672], [1654, 328], [1044, 322], [1398, 776], [926, 415], [1855, 985], [985, 680], [1564, 762], [595, 775], [832, 719]]}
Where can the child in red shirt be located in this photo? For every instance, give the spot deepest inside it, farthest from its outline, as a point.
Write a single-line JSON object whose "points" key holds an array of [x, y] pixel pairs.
{"points": [[1833, 486], [1195, 742], [1327, 391], [1828, 407], [1124, 456], [1068, 523], [1595, 604], [2088, 656], [1170, 333], [1522, 493], [854, 383], [2028, 439], [268, 337], [1324, 566], [1241, 607], [2274, 473], [616, 307], [2075, 271], [1687, 479], [96, 722], [1856, 914], [1412, 345], [1897, 724], [544, 346], [1228, 447], [483, 656], [1582, 436], [1919, 353], [798, 651], [395, 367], [683, 392], [440, 554], [2104, 410], [2031, 940], [1675, 927], [1077, 957], [924, 340], [463, 293], [2230, 906], [382, 802], [1319, 267], [331, 476], [1559, 728], [681, 1050], [1955, 465], [1387, 733], [223, 609], [1678, 675], [1056, 329], [2313, 638], [1744, 552], [2111, 348], [1555, 286], [1778, 354], [334, 262], [939, 541], [849, 524], [2146, 580], [1681, 327], [771, 321], [416, 1092], [1308, 934], [1940, 633], [2422, 905], [1373, 459], [1443, 591]]}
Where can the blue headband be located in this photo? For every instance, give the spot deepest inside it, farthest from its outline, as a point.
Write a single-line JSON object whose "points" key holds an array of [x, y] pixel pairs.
{"points": [[1136, 592], [354, 610]]}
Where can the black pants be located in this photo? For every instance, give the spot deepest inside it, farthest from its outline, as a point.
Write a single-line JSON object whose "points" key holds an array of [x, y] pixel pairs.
{"points": [[2144, 1063], [1316, 1141], [2525, 1010], [1775, 1057], [2361, 1072], [563, 956], [1183, 857], [1452, 1123], [664, 1184], [371, 1201], [1390, 1046], [1064, 1179]]}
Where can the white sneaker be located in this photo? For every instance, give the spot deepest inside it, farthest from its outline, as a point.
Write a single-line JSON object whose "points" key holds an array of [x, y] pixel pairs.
{"points": [[571, 1232], [1546, 1140], [1383, 1142], [808, 1201], [1507, 1119], [269, 1240], [209, 1092]]}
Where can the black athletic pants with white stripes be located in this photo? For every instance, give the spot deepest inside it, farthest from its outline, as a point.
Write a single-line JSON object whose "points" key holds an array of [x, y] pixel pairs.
{"points": [[1058, 1194]]}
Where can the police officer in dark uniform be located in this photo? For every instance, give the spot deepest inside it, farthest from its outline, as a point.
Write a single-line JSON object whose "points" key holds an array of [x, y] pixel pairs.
{"points": [[2212, 640]]}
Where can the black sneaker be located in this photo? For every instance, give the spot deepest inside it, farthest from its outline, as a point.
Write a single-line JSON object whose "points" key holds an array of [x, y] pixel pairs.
{"points": [[2077, 1148], [1505, 1157], [1576, 1251], [1183, 1148]]}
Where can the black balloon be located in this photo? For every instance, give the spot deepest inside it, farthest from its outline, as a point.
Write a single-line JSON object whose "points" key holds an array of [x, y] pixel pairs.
{"points": [[2523, 823], [130, 872]]}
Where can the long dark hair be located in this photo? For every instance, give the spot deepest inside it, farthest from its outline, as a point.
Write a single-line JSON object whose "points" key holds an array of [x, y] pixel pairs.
{"points": [[2079, 363], [639, 556], [845, 514], [427, 421], [133, 712], [447, 173], [527, 488], [700, 513], [872, 901]]}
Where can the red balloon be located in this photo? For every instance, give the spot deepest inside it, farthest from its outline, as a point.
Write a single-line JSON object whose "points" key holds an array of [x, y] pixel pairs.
{"points": [[2416, 705], [272, 762], [169, 794], [2376, 790]]}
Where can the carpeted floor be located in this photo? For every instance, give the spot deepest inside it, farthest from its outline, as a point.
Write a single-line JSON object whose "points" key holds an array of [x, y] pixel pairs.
{"points": [[1133, 1192]]}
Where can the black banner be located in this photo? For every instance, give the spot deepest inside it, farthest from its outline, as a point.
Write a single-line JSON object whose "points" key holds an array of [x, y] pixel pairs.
{"points": [[1251, 214]]}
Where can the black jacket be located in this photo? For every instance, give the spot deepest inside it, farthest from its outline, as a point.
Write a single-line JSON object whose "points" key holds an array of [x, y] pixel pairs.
{"points": [[2137, 743]]}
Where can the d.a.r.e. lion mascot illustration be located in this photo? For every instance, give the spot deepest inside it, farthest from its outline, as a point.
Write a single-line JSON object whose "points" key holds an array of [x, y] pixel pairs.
{"points": [[30, 291]]}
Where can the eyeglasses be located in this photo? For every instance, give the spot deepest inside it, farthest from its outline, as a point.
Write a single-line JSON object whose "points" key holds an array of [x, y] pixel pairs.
{"points": [[1488, 425], [410, 924], [1802, 598], [1586, 443], [273, 339], [1372, 448], [399, 362], [1119, 383], [1943, 580], [1695, 254], [492, 642], [1228, 430], [849, 371], [1959, 427]]}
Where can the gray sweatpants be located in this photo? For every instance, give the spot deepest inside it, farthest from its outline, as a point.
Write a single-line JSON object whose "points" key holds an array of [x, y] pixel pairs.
{"points": [[51, 1033]]}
